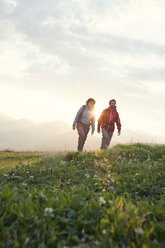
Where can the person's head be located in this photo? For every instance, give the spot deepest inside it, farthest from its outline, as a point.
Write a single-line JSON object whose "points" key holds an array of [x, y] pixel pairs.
{"points": [[112, 103], [90, 102]]}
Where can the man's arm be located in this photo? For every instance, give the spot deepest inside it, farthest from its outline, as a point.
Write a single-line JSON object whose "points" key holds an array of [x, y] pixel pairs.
{"points": [[118, 123], [100, 120]]}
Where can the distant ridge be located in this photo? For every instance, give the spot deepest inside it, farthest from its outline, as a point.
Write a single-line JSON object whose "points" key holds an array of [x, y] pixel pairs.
{"points": [[4, 117], [24, 134]]}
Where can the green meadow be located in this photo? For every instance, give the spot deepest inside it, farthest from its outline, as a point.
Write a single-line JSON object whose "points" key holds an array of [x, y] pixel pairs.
{"points": [[113, 198]]}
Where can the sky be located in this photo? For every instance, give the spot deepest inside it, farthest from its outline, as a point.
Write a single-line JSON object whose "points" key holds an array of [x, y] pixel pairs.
{"points": [[54, 55]]}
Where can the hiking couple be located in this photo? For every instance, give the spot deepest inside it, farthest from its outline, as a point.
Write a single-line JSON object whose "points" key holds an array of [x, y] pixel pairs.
{"points": [[85, 117]]}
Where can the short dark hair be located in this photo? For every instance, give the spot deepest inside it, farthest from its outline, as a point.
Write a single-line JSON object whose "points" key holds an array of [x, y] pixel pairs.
{"points": [[90, 100], [112, 100]]}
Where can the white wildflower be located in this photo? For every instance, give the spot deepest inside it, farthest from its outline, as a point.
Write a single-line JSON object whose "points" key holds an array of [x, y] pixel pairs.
{"points": [[48, 211], [103, 190], [31, 177], [27, 172], [24, 184], [62, 162], [139, 230], [112, 187], [137, 174], [87, 175], [96, 184], [6, 175], [101, 200], [95, 177], [149, 155]]}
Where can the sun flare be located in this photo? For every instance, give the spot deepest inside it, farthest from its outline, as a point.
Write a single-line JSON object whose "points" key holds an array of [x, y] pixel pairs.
{"points": [[97, 113]]}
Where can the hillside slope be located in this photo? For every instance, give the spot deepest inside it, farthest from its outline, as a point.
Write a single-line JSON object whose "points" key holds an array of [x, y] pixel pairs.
{"points": [[113, 198]]}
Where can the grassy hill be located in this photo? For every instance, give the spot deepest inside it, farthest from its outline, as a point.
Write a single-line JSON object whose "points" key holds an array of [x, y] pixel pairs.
{"points": [[113, 198]]}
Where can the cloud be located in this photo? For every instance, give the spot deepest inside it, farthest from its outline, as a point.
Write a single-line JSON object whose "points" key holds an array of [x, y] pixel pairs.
{"points": [[63, 29], [150, 74], [67, 34], [6, 7], [76, 49]]}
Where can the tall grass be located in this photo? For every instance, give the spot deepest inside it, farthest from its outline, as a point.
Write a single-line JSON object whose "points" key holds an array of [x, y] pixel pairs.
{"points": [[113, 198]]}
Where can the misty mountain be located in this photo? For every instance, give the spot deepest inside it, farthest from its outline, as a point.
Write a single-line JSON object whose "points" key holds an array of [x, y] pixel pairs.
{"points": [[48, 136], [129, 136], [24, 135]]}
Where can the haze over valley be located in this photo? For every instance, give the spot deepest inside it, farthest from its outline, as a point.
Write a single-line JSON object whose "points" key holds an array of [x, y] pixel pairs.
{"points": [[23, 134]]}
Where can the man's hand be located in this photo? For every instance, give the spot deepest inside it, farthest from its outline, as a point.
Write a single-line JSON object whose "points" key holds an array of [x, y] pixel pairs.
{"points": [[119, 133], [73, 127], [98, 130]]}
